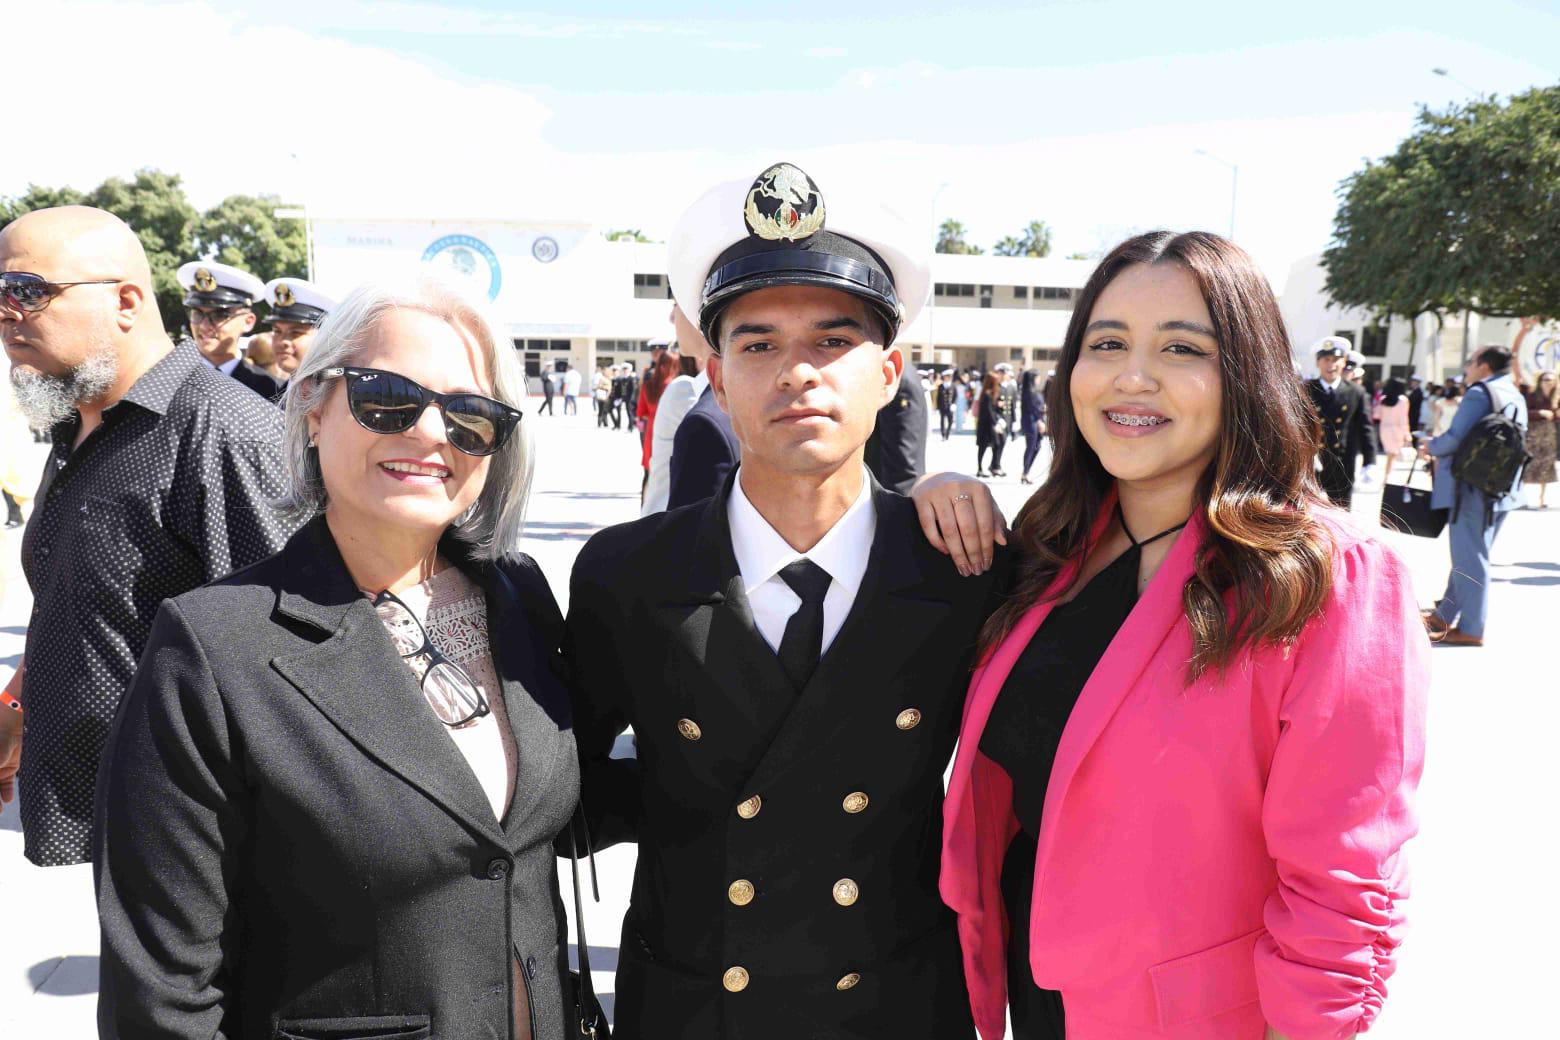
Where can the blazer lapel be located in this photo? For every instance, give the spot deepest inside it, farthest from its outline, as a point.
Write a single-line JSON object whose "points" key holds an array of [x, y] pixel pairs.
{"points": [[890, 618], [713, 623], [1154, 617], [358, 681]]}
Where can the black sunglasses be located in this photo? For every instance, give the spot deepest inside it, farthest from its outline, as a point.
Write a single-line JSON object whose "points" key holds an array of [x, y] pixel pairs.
{"points": [[33, 292], [385, 402]]}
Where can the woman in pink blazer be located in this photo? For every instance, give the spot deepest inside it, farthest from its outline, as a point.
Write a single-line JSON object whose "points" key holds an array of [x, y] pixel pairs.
{"points": [[1189, 753]]}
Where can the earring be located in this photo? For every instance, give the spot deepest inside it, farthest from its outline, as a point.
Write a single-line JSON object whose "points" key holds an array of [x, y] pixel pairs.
{"points": [[314, 440]]}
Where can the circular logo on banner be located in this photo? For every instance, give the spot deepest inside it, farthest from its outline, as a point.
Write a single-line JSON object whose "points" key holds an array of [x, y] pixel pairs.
{"points": [[545, 249], [1546, 353], [469, 260]]}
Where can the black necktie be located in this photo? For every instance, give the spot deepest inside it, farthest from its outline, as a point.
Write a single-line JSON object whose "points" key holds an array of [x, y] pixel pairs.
{"points": [[802, 644]]}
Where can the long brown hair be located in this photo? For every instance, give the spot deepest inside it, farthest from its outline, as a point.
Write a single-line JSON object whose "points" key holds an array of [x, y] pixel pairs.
{"points": [[662, 372], [1265, 567]]}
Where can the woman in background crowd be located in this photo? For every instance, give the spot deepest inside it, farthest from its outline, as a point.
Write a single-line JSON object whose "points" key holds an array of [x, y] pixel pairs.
{"points": [[1032, 411], [1392, 423], [1543, 404], [990, 427], [1443, 408], [667, 367]]}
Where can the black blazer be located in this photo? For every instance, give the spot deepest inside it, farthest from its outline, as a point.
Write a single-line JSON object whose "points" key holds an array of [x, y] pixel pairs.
{"points": [[267, 386], [896, 451], [704, 450], [1345, 416], [817, 800], [291, 846]]}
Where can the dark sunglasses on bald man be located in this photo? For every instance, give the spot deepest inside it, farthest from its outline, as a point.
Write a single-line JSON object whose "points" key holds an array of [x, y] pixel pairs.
{"points": [[33, 292], [386, 402]]}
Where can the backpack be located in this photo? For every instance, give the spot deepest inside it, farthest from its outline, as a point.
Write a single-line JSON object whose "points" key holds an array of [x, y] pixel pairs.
{"points": [[1493, 455]]}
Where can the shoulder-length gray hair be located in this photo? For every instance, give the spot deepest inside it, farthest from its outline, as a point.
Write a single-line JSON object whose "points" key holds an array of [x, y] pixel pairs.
{"points": [[494, 523]]}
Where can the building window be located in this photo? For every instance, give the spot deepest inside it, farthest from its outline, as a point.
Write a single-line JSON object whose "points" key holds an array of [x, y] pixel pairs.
{"points": [[1347, 334], [1373, 341], [652, 287], [1048, 353], [955, 289], [533, 364], [1015, 353], [623, 346], [1021, 292]]}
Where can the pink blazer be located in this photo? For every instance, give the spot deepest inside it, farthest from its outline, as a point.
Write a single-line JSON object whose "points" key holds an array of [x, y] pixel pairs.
{"points": [[1214, 856]]}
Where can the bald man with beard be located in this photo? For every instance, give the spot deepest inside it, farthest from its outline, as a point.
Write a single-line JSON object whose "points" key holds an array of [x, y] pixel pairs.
{"points": [[161, 478]]}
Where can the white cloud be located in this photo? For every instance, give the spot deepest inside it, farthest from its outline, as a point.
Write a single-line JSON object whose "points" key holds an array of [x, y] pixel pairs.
{"points": [[826, 52]]}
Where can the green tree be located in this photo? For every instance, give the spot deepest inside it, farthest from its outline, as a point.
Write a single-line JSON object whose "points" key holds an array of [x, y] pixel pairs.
{"points": [[36, 197], [626, 235], [153, 204], [950, 239], [1464, 216], [241, 230], [1034, 241]]}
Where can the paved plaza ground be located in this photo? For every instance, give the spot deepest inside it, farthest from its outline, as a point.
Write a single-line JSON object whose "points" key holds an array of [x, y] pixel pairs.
{"points": [[1477, 961]]}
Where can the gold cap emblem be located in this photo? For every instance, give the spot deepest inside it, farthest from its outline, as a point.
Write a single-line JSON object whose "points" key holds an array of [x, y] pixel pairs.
{"points": [[784, 205], [741, 892], [284, 295], [689, 729], [205, 281], [735, 980], [845, 892]]}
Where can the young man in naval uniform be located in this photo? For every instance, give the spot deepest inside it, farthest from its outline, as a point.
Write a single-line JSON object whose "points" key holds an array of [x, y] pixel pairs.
{"points": [[297, 309], [791, 654], [1345, 417], [220, 302]]}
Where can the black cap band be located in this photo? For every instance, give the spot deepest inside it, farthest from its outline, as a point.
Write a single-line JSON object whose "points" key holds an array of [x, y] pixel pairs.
{"points": [[300, 313], [221, 296], [825, 259]]}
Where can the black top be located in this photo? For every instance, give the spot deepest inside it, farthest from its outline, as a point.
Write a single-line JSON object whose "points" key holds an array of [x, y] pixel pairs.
{"points": [[704, 449], [1022, 736], [1026, 721], [173, 490]]}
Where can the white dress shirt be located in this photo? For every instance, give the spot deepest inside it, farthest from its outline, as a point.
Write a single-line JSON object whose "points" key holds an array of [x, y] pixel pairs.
{"points": [[680, 395], [761, 553], [226, 368]]}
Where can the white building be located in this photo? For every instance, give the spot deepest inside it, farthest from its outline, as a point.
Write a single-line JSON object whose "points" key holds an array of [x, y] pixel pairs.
{"points": [[566, 295], [1425, 348]]}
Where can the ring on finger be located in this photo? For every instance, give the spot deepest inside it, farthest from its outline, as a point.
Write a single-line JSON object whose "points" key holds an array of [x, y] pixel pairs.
{"points": [[962, 498]]}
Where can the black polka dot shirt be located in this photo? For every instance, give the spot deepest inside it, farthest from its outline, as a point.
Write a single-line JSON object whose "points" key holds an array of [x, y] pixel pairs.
{"points": [[173, 490]]}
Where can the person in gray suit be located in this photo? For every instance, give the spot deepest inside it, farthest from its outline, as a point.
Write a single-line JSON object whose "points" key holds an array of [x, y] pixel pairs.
{"points": [[330, 801]]}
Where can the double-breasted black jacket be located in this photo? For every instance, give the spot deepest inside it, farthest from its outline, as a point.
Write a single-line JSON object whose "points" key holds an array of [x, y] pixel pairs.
{"points": [[789, 842], [291, 846], [1346, 432]]}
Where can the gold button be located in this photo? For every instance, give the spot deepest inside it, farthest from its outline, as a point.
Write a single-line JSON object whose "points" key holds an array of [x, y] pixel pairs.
{"points": [[689, 729], [749, 809], [855, 801], [847, 982], [845, 892], [735, 980], [740, 892], [908, 719]]}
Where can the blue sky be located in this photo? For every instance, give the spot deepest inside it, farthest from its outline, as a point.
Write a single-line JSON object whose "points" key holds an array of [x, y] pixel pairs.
{"points": [[1085, 114]]}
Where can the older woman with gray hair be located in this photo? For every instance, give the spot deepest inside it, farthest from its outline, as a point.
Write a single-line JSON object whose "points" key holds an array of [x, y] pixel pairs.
{"points": [[329, 803]]}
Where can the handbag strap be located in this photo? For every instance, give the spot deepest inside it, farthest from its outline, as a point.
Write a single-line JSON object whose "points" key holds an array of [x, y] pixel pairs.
{"points": [[587, 990]]}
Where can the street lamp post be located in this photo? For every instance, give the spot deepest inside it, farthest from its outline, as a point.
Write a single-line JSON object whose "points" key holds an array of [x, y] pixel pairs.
{"points": [[1234, 183], [1447, 75], [931, 303]]}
